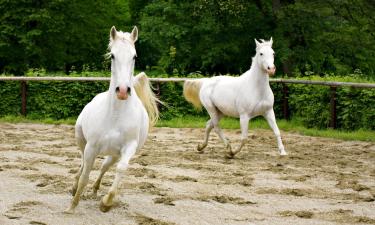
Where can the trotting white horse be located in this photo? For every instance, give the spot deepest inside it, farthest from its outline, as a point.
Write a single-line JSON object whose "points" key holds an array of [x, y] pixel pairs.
{"points": [[246, 97], [115, 123]]}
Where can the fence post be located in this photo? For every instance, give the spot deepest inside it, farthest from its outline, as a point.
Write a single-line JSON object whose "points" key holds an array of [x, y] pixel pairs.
{"points": [[333, 120], [285, 101], [23, 97]]}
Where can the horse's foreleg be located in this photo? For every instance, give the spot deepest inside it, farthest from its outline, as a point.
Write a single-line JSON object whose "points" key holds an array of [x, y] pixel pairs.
{"points": [[270, 117], [126, 154], [244, 123], [209, 127], [89, 159], [107, 163]]}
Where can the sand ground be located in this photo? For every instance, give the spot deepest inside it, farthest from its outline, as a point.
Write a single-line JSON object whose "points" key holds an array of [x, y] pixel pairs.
{"points": [[321, 181]]}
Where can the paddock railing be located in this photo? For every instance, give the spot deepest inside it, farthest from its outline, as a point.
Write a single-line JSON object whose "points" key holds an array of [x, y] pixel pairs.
{"points": [[332, 84]]}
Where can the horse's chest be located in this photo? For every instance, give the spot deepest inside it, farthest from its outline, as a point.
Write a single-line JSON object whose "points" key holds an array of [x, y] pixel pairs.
{"points": [[112, 141]]}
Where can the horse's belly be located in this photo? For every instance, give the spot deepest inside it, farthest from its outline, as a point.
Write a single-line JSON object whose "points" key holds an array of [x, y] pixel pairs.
{"points": [[228, 110]]}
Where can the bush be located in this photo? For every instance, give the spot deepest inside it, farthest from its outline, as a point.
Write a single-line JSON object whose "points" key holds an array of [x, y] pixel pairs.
{"points": [[309, 103]]}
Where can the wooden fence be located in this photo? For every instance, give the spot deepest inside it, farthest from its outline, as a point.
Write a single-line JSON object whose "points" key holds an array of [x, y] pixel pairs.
{"points": [[333, 86]]}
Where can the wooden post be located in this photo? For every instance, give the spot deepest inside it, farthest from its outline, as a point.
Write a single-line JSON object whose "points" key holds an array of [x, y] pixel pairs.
{"points": [[285, 101], [157, 89], [333, 120], [23, 97]]}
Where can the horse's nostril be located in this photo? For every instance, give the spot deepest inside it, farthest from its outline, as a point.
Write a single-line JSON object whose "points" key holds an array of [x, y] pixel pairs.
{"points": [[268, 68], [129, 91], [117, 89]]}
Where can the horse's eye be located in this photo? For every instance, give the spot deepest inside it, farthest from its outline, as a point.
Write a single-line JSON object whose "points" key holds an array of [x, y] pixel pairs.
{"points": [[112, 56], [261, 53]]}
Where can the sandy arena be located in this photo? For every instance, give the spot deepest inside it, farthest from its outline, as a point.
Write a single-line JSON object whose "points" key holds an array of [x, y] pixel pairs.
{"points": [[321, 181]]}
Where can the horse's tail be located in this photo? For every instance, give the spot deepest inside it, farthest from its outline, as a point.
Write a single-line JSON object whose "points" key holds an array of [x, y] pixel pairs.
{"points": [[191, 92], [144, 91]]}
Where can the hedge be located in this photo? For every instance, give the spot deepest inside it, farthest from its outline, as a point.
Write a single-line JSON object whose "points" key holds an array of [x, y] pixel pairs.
{"points": [[309, 103]]}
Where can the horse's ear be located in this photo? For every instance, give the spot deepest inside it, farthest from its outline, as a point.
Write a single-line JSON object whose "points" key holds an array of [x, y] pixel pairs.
{"points": [[113, 33], [257, 43], [271, 41], [134, 34]]}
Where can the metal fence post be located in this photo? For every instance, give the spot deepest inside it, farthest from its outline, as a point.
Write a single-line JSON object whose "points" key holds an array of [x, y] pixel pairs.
{"points": [[23, 98], [333, 120]]}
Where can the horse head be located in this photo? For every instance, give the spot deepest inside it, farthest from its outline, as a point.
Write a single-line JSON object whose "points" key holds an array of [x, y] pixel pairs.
{"points": [[123, 54], [265, 56]]}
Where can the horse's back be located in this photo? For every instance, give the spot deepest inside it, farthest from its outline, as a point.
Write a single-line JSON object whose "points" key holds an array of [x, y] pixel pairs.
{"points": [[220, 93]]}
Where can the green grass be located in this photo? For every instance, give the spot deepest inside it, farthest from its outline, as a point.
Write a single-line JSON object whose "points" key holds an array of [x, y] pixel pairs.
{"points": [[227, 123], [284, 125], [21, 119]]}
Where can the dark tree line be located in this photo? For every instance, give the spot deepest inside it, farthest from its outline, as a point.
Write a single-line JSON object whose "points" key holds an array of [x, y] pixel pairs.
{"points": [[211, 36], [56, 34]]}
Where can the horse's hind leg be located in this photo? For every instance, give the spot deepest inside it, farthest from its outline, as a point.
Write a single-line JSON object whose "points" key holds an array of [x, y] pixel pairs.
{"points": [[89, 159], [107, 163], [209, 127], [81, 142], [215, 119], [126, 154], [77, 176]]}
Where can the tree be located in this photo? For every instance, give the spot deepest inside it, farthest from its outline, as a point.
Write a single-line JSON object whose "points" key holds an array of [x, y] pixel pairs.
{"points": [[56, 34]]}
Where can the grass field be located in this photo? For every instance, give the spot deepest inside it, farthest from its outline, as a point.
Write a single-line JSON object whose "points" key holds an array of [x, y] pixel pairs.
{"points": [[229, 123]]}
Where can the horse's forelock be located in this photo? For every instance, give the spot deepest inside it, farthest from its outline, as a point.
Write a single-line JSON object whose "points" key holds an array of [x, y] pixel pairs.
{"points": [[263, 44], [125, 36]]}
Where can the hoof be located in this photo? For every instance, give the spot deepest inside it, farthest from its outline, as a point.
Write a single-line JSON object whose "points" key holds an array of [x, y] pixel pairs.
{"points": [[69, 211], [229, 155], [200, 148], [283, 153], [104, 208]]}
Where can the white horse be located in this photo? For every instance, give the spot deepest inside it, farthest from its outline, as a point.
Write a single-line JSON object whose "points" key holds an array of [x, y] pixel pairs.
{"points": [[115, 123], [246, 97]]}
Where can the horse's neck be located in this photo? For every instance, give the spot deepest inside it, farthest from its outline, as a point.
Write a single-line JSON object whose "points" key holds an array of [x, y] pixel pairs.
{"points": [[256, 77]]}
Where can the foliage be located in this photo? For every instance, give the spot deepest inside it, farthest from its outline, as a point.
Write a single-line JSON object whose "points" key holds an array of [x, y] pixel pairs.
{"points": [[217, 36], [180, 37], [56, 34], [309, 103]]}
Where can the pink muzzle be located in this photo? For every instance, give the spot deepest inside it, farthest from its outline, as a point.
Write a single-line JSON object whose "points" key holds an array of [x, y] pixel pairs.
{"points": [[271, 71], [122, 92]]}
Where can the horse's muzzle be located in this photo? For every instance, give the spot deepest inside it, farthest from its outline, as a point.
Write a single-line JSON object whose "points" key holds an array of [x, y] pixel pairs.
{"points": [[123, 92], [271, 71]]}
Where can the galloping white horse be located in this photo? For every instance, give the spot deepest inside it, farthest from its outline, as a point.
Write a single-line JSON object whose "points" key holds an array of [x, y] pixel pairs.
{"points": [[245, 97], [115, 123]]}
